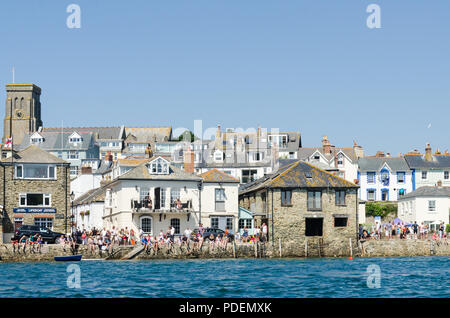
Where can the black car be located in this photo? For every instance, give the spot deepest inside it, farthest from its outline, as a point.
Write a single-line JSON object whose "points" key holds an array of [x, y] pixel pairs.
{"points": [[30, 230], [214, 231]]}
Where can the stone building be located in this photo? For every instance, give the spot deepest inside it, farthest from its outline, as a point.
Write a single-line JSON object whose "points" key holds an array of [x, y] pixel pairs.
{"points": [[302, 202], [35, 190]]}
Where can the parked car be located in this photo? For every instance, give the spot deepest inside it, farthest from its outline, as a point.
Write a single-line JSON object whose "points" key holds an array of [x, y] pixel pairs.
{"points": [[29, 230], [214, 231]]}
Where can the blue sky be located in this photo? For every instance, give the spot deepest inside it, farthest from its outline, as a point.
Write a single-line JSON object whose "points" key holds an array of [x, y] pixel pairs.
{"points": [[308, 66]]}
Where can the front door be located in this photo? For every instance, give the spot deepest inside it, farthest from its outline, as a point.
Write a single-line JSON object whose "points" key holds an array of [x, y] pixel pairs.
{"points": [[157, 198]]}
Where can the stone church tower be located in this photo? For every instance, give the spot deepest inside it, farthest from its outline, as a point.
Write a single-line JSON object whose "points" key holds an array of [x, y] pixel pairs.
{"points": [[23, 111]]}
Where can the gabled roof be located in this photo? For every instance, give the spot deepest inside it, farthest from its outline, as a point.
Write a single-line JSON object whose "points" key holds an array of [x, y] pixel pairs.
{"points": [[376, 164], [148, 134], [215, 175], [98, 132], [60, 141], [296, 175], [34, 154], [141, 172], [437, 162], [93, 195], [306, 152], [428, 192]]}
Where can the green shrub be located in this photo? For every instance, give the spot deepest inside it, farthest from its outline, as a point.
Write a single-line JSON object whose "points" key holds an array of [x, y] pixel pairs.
{"points": [[378, 209], [447, 228]]}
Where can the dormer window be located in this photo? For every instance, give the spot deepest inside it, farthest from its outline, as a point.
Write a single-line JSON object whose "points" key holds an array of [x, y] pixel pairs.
{"points": [[159, 166], [75, 138], [36, 138], [219, 156]]}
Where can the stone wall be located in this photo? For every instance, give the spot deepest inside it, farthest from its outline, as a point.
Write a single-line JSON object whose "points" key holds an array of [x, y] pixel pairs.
{"points": [[60, 198], [372, 248]]}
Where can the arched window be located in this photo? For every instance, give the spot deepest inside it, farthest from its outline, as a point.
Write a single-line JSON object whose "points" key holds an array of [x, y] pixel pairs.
{"points": [[176, 224], [146, 224]]}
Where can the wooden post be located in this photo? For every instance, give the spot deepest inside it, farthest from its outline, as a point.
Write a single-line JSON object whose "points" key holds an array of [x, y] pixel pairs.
{"points": [[234, 248], [318, 245], [279, 243], [351, 250], [256, 249], [306, 247]]}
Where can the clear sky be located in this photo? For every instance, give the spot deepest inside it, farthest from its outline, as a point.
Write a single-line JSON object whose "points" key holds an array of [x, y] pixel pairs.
{"points": [[309, 66]]}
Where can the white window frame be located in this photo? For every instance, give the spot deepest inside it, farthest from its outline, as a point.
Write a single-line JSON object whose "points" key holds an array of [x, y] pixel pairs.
{"points": [[44, 197], [432, 205], [151, 224], [24, 166]]}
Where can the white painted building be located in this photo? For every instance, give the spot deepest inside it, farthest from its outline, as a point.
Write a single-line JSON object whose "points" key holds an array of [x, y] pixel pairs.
{"points": [[156, 195], [430, 205], [384, 178], [88, 209], [429, 169]]}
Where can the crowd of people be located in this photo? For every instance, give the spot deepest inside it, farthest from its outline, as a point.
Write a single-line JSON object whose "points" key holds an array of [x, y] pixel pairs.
{"points": [[402, 230], [34, 243]]}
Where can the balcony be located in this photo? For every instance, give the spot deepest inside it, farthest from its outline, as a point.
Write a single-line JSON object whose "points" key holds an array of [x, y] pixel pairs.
{"points": [[144, 206]]}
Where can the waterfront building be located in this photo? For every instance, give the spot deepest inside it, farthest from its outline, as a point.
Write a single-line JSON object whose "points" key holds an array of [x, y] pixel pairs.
{"points": [[88, 209], [384, 178], [35, 188], [300, 201], [247, 155], [427, 204], [72, 146], [428, 169], [342, 162], [140, 141]]}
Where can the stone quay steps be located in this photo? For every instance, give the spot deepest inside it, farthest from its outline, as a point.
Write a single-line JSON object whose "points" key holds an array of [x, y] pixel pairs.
{"points": [[133, 253]]}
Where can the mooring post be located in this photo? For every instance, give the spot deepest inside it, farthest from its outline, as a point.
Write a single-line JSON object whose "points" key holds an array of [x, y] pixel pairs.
{"points": [[279, 243], [256, 249], [234, 248], [351, 250], [306, 247]]}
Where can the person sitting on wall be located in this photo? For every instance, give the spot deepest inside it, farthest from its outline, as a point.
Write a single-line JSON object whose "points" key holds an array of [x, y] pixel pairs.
{"points": [[178, 204], [149, 203], [15, 244]]}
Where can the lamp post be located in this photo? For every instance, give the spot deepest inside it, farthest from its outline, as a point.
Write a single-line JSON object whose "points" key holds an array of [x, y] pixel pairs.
{"points": [[72, 197], [200, 186]]}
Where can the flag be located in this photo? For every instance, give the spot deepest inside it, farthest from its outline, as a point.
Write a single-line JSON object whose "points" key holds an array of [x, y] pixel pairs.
{"points": [[8, 143]]}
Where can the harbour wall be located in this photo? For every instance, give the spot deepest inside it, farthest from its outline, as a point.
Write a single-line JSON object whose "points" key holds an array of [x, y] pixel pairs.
{"points": [[313, 249]]}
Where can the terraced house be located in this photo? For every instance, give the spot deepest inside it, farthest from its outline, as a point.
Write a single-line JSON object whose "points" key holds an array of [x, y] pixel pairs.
{"points": [[35, 189], [301, 202]]}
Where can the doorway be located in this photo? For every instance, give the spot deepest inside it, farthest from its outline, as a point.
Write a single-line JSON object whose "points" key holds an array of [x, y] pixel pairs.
{"points": [[314, 226], [157, 198]]}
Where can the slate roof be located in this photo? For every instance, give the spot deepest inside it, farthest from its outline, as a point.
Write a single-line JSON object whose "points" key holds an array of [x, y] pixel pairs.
{"points": [[306, 152], [295, 175], [418, 161], [141, 172], [148, 134], [428, 192], [93, 195], [34, 154], [376, 164], [98, 132], [59, 141], [215, 175]]}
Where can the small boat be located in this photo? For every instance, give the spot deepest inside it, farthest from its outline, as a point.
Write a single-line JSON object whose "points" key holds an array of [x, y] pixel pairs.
{"points": [[72, 258]]}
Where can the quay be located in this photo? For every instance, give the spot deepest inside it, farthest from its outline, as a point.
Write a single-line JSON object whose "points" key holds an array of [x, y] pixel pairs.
{"points": [[369, 248]]}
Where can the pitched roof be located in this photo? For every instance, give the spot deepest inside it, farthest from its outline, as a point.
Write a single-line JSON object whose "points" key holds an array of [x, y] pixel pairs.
{"points": [[306, 152], [148, 134], [437, 162], [59, 141], [142, 172], [99, 132], [93, 195], [299, 175], [215, 175], [375, 164], [34, 154], [428, 192]]}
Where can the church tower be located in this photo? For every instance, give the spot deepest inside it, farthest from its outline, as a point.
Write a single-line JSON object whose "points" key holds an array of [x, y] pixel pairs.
{"points": [[23, 111]]}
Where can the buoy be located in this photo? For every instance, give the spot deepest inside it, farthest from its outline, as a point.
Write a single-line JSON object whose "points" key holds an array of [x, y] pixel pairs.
{"points": [[350, 257]]}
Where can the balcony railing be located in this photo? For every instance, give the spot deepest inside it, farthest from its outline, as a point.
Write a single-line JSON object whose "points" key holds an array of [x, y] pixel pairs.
{"points": [[145, 206]]}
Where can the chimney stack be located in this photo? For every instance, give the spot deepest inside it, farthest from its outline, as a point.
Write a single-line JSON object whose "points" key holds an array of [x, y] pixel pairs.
{"points": [[326, 147], [438, 152], [189, 161], [86, 170], [380, 154], [358, 150], [428, 154]]}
